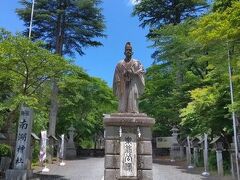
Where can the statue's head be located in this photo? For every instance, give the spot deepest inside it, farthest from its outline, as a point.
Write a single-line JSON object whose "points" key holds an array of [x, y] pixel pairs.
{"points": [[128, 50]]}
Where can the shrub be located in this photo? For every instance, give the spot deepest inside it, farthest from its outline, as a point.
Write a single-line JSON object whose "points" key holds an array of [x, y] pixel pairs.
{"points": [[212, 160], [36, 151], [87, 144], [226, 162], [200, 159], [5, 150]]}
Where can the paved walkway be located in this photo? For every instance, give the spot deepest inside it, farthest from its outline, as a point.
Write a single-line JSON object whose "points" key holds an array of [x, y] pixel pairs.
{"points": [[166, 170], [81, 169], [93, 169]]}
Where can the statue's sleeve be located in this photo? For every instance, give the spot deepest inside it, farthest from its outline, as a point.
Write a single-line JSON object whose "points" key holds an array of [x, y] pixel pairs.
{"points": [[140, 74], [116, 81]]}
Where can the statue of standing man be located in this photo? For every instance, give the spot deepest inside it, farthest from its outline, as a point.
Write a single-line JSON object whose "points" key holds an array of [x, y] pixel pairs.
{"points": [[128, 82]]}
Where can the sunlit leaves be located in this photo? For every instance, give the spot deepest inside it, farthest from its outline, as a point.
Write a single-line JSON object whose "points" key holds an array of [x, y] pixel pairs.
{"points": [[83, 101], [26, 66], [219, 26]]}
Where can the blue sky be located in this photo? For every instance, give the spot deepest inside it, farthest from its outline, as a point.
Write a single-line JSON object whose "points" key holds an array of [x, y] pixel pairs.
{"points": [[120, 28]]}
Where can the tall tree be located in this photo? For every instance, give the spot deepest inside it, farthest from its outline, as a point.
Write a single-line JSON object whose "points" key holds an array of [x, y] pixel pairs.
{"points": [[25, 68], [218, 33], [66, 26], [156, 13], [162, 90]]}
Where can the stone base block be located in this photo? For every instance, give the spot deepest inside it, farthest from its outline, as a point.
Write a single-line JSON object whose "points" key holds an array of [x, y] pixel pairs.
{"points": [[112, 132], [112, 146], [71, 153], [144, 147], [111, 174], [146, 134], [144, 162], [16, 174], [128, 178], [112, 162], [129, 119], [145, 175]]}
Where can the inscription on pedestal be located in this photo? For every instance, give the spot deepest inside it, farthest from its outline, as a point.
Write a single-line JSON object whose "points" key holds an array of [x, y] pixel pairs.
{"points": [[128, 155]]}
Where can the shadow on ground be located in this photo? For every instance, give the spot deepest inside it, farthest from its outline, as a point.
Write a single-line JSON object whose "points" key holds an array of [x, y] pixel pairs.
{"points": [[39, 176]]}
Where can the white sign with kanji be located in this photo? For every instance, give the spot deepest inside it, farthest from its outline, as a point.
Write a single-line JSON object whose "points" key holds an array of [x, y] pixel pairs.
{"points": [[43, 148], [128, 155]]}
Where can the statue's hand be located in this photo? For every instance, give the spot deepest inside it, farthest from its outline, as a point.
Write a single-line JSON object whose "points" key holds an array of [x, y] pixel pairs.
{"points": [[131, 72], [140, 71]]}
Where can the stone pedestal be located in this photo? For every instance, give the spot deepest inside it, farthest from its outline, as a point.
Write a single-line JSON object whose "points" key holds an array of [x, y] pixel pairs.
{"points": [[181, 153], [18, 174], [175, 147], [71, 152], [175, 153], [195, 156], [219, 162], [124, 130]]}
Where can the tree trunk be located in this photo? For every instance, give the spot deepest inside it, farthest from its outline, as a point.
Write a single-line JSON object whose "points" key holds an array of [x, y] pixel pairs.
{"points": [[53, 109], [54, 95], [52, 118], [8, 129]]}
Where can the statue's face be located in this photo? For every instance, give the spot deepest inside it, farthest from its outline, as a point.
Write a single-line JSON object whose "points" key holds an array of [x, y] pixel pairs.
{"points": [[128, 51]]}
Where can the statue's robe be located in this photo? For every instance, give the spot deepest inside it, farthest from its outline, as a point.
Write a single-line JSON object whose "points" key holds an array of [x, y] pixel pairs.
{"points": [[128, 86]]}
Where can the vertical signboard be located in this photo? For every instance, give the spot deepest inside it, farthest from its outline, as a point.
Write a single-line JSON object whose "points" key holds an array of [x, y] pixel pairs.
{"points": [[23, 138], [43, 148], [62, 147], [128, 155]]}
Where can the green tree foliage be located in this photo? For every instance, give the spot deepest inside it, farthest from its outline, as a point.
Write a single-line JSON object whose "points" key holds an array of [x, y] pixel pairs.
{"points": [[158, 100], [5, 150], [83, 101], [155, 13], [65, 25], [209, 108], [198, 49], [221, 5], [223, 29], [207, 112], [173, 45], [26, 69], [175, 53]]}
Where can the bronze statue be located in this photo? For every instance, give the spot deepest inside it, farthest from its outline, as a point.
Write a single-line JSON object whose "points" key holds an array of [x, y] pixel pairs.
{"points": [[128, 82]]}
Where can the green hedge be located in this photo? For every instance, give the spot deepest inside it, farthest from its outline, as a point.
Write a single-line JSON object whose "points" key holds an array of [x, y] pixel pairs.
{"points": [[5, 150]]}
